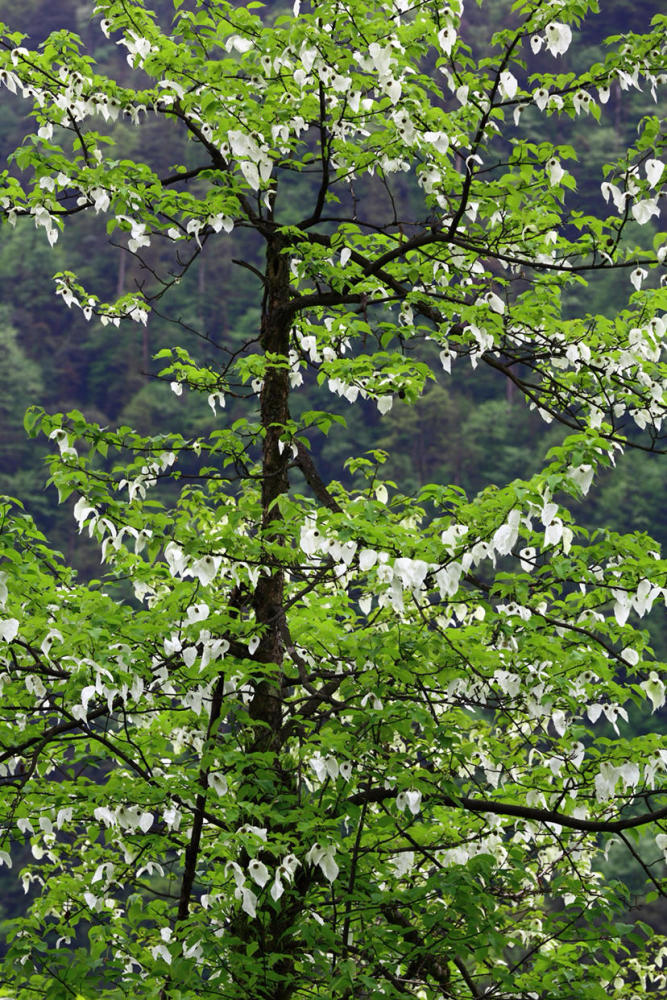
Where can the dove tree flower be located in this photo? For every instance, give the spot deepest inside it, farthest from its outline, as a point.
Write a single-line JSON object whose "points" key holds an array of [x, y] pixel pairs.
{"points": [[313, 739], [558, 38]]}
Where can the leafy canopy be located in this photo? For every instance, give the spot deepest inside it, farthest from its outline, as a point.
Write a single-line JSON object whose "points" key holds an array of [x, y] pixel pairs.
{"points": [[308, 739]]}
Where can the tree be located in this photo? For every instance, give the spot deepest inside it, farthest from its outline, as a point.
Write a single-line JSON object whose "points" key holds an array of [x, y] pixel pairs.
{"points": [[308, 739]]}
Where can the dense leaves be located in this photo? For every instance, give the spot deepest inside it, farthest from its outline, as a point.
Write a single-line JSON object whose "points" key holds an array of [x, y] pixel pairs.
{"points": [[329, 735]]}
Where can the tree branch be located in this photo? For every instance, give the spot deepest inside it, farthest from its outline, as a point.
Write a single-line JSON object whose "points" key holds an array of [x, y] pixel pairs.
{"points": [[305, 463], [508, 809]]}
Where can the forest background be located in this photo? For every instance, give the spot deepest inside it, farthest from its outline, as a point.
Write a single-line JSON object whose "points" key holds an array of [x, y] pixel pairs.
{"points": [[469, 431]]}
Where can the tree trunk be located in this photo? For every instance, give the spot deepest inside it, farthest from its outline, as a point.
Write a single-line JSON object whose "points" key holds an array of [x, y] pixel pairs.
{"points": [[266, 706], [274, 410]]}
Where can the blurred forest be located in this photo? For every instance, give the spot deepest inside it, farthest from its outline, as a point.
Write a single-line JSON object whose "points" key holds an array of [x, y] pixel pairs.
{"points": [[468, 429]]}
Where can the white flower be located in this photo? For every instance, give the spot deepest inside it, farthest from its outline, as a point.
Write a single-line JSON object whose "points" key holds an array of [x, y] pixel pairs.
{"points": [[365, 604], [284, 871], [248, 900], [583, 477], [216, 397], [549, 512], [518, 111], [176, 558], [138, 237], [627, 80], [506, 536], [367, 559], [237, 872], [618, 197], [101, 199], [251, 173], [310, 539], [324, 858], [555, 171], [197, 612], [324, 766], [137, 48], [582, 101], [558, 38], [92, 901], [145, 822], [81, 511], [259, 873], [403, 863], [541, 97], [661, 842], [536, 43], [104, 815], [527, 558], [205, 569], [494, 302], [605, 781], [410, 572], [9, 629], [654, 170], [644, 211], [637, 276], [218, 783], [508, 84], [277, 888], [554, 532], [381, 57], [439, 141], [411, 798], [655, 689], [448, 579], [220, 221], [643, 600], [446, 39], [462, 94], [238, 43]]}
